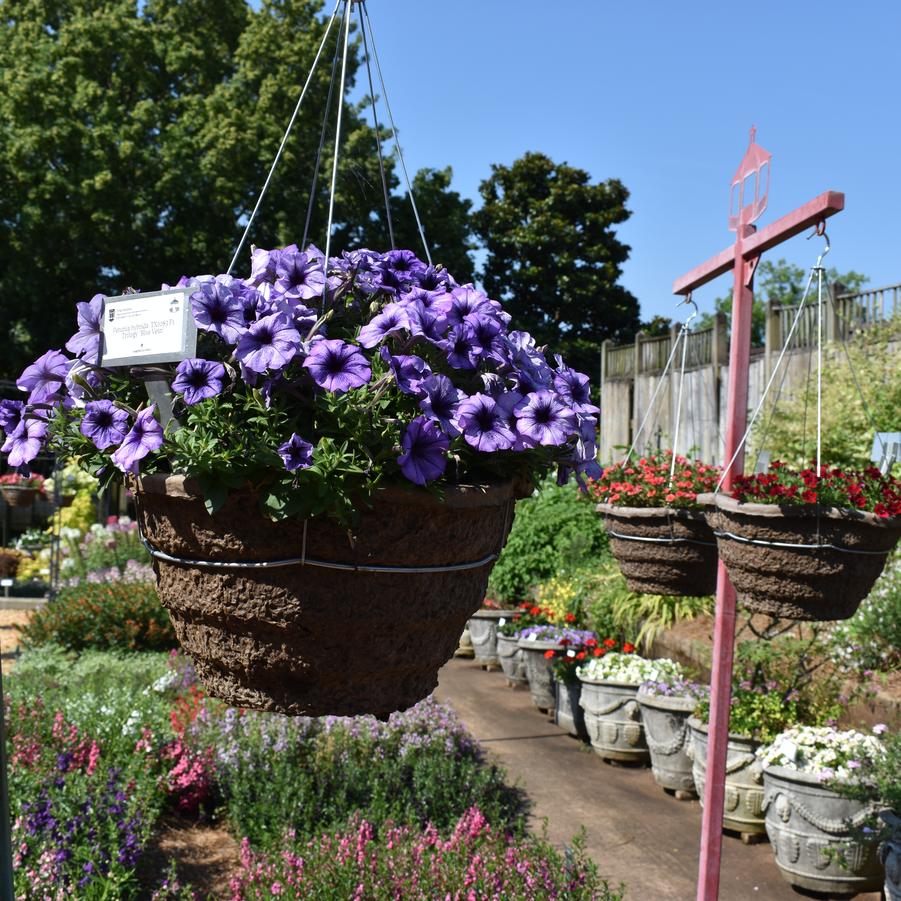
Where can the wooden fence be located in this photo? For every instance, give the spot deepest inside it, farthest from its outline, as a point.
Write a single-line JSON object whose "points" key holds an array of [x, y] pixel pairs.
{"points": [[631, 373]]}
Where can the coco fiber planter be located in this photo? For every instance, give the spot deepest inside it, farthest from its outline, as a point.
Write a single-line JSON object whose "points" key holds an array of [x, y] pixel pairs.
{"points": [[743, 809], [19, 497], [307, 638], [811, 829], [511, 659], [801, 562], [483, 634], [540, 671], [567, 712], [662, 550], [666, 731], [613, 721]]}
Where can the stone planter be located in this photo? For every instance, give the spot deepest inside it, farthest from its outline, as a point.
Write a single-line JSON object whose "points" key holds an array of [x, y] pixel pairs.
{"points": [[567, 712], [743, 809], [666, 732], [890, 855], [483, 633], [511, 660], [465, 648], [805, 822], [816, 583], [613, 721], [540, 672], [662, 550], [275, 637]]}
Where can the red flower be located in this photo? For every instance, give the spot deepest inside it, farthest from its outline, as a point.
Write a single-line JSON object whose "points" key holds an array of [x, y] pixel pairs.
{"points": [[609, 643], [549, 655], [580, 655], [570, 617], [628, 648]]}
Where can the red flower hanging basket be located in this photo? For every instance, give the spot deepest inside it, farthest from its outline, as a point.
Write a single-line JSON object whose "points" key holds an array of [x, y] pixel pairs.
{"points": [[802, 561]]}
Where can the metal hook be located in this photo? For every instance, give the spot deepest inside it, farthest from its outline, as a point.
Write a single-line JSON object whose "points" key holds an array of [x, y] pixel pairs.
{"points": [[694, 315], [820, 231]]}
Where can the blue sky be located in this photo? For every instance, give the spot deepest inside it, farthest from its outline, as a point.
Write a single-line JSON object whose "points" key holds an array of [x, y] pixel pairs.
{"points": [[661, 95]]}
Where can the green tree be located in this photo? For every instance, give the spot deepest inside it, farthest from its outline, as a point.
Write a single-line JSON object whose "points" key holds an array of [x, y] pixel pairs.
{"points": [[784, 283], [553, 256], [134, 138]]}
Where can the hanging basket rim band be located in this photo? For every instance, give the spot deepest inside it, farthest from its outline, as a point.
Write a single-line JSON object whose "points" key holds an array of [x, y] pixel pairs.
{"points": [[626, 512], [309, 561], [820, 546], [650, 540], [729, 505]]}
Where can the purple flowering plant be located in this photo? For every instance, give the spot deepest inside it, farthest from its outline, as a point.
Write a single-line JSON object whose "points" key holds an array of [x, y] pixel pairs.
{"points": [[317, 383]]}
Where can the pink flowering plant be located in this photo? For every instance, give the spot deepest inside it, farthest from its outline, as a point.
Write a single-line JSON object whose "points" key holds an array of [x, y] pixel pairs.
{"points": [[646, 482], [317, 382], [22, 480]]}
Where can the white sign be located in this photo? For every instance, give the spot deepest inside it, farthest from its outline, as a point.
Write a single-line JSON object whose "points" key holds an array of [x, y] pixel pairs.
{"points": [[6, 583], [157, 327]]}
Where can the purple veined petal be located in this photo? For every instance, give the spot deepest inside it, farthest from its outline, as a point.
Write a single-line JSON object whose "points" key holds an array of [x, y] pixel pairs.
{"points": [[86, 341], [461, 347], [296, 453], [465, 300], [425, 447], [393, 318], [545, 419], [218, 308], [441, 402], [197, 379], [44, 379], [408, 370], [300, 276], [270, 343], [483, 425], [507, 402], [25, 442], [574, 388], [145, 436], [11, 414], [337, 366], [104, 424]]}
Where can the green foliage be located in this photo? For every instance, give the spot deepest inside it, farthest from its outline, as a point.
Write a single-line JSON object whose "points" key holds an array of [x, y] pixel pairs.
{"points": [[783, 283], [554, 529], [847, 433], [553, 257], [137, 135], [277, 773], [124, 616]]}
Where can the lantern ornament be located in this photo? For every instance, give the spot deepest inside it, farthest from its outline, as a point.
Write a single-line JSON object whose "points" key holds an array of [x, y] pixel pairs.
{"points": [[750, 185]]}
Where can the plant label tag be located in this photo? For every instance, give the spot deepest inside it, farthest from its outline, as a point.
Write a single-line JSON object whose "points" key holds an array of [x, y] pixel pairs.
{"points": [[570, 653], [501, 621], [6, 583], [533, 637], [156, 327]]}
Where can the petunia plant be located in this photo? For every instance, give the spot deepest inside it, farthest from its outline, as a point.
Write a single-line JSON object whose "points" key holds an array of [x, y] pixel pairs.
{"points": [[316, 383]]}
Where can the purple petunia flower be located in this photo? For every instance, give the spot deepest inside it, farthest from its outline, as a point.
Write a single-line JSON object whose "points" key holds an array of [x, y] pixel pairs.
{"points": [[574, 388], [432, 279], [24, 443], [300, 276], [45, 377], [461, 347], [337, 366], [269, 343], [391, 319], [466, 300], [483, 424], [11, 413], [264, 263], [545, 419], [197, 379], [425, 451], [296, 453], [506, 404], [86, 341], [146, 435], [408, 370], [104, 423], [404, 265], [487, 334], [218, 308], [441, 402]]}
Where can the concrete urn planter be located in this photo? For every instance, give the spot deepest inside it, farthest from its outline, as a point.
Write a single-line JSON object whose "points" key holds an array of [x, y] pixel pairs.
{"points": [[540, 672], [511, 660], [812, 831], [667, 734], [567, 712], [743, 809], [890, 855], [613, 721], [483, 634]]}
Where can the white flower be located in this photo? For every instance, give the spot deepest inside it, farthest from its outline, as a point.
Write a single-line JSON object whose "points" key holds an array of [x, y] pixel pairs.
{"points": [[826, 752], [628, 668]]}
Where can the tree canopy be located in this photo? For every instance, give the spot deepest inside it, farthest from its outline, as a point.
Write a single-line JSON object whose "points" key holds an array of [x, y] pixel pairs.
{"points": [[553, 256], [134, 138]]}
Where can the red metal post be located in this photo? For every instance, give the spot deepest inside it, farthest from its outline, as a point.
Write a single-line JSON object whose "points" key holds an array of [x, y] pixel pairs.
{"points": [[742, 258]]}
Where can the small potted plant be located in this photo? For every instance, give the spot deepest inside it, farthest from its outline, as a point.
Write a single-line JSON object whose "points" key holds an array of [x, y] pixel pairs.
{"points": [[510, 655], [538, 645], [568, 689], [483, 626], [612, 715], [823, 840], [339, 466], [666, 706], [658, 531], [807, 546], [21, 490], [68, 481]]}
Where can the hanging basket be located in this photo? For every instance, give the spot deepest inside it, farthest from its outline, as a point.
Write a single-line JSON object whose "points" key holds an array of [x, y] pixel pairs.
{"points": [[351, 625], [19, 497], [802, 561], [66, 500], [662, 550]]}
